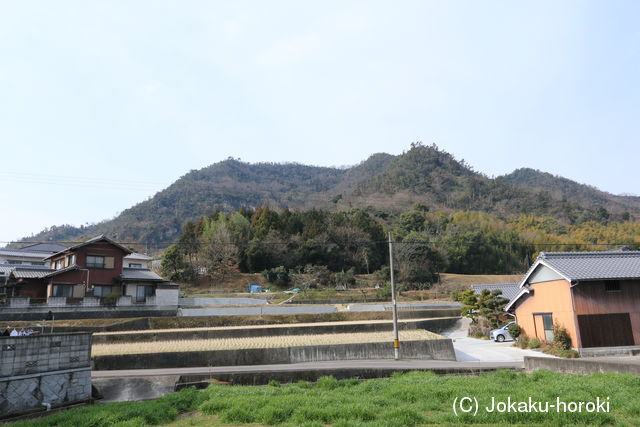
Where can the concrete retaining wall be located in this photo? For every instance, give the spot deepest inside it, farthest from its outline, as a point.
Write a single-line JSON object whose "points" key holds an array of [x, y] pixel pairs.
{"points": [[433, 325], [53, 369], [631, 350], [581, 366], [205, 302], [128, 389], [441, 349], [336, 301], [148, 387], [81, 312]]}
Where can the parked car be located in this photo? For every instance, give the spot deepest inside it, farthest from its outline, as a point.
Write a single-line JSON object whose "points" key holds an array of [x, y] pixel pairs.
{"points": [[502, 334]]}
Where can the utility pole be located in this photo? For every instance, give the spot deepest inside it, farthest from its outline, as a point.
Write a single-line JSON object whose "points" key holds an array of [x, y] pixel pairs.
{"points": [[396, 340]]}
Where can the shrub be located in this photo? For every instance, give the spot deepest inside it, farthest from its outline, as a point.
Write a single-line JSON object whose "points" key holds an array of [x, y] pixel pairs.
{"points": [[479, 331], [278, 276], [561, 338], [111, 299], [384, 292], [523, 341], [558, 351], [534, 343], [477, 334], [514, 330], [273, 383]]}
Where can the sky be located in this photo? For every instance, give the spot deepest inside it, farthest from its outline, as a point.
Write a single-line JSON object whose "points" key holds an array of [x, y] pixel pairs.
{"points": [[102, 104]]}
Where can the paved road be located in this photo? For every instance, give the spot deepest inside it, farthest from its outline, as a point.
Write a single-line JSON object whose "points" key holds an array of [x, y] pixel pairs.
{"points": [[475, 350], [318, 366]]}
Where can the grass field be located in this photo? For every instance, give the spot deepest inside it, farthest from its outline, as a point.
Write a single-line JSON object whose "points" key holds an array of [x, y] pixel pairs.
{"points": [[256, 342], [417, 398]]}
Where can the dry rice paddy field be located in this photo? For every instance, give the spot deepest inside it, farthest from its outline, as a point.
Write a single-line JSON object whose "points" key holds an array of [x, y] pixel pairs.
{"points": [[267, 326], [256, 342]]}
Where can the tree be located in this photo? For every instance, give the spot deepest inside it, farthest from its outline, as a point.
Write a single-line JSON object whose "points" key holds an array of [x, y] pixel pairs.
{"points": [[344, 279], [417, 262], [470, 306], [263, 221], [174, 266], [491, 306], [487, 304], [219, 255]]}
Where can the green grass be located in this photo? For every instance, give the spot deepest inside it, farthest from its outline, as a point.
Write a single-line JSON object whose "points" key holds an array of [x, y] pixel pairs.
{"points": [[151, 412], [415, 398]]}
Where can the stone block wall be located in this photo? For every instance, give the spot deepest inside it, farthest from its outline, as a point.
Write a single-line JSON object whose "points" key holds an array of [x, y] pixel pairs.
{"points": [[53, 369]]}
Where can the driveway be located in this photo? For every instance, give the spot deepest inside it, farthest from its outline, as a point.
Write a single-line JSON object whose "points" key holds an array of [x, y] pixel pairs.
{"points": [[475, 350]]}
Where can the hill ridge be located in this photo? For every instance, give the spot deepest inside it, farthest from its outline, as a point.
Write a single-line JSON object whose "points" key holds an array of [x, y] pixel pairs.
{"points": [[384, 182]]}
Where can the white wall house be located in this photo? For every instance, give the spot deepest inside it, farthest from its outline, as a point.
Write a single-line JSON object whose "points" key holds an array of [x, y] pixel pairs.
{"points": [[136, 260]]}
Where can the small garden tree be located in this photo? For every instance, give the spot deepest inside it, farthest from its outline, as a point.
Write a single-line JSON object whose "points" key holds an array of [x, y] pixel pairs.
{"points": [[484, 309]]}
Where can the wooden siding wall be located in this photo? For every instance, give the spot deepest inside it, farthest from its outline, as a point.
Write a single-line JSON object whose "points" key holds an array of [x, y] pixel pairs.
{"points": [[548, 297], [591, 298]]}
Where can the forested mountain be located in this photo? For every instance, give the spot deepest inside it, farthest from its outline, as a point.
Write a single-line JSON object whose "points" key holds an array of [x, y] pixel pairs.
{"points": [[561, 188], [384, 183]]}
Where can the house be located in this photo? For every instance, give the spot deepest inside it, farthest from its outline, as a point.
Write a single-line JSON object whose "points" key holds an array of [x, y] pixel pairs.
{"points": [[509, 290], [29, 255], [136, 260], [595, 296], [89, 275]]}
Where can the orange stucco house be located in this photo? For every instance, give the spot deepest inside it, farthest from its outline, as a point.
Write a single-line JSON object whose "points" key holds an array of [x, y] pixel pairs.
{"points": [[594, 295]]}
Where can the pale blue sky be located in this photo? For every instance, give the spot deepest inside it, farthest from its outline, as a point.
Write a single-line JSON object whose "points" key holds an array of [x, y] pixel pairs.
{"points": [[104, 103]]}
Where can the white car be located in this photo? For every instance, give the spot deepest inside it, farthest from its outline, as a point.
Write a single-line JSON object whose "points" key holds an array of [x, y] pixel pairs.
{"points": [[502, 334]]}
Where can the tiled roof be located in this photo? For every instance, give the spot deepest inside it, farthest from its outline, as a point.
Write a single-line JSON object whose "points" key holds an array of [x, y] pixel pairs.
{"points": [[43, 247], [136, 255], [6, 269], [62, 270], [594, 265], [22, 254], [509, 290], [30, 273], [96, 239], [140, 274]]}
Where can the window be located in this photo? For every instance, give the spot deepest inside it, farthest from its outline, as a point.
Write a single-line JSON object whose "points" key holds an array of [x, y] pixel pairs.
{"points": [[612, 286], [71, 259], [144, 291], [58, 264], [134, 265], [11, 261], [62, 291], [102, 291], [547, 321], [95, 261], [37, 263]]}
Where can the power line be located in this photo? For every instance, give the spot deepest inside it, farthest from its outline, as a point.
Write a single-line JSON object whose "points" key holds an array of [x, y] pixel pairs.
{"points": [[76, 181], [350, 242]]}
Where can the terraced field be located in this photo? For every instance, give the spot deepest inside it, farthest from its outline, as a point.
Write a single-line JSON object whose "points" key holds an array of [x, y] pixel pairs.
{"points": [[257, 342]]}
